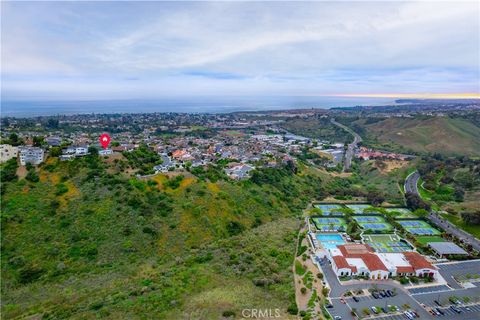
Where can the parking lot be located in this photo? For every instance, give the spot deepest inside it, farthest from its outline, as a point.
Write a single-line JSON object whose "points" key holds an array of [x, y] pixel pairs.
{"points": [[429, 289], [399, 300], [448, 271]]}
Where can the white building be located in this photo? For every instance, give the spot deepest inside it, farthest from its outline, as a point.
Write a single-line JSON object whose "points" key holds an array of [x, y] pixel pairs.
{"points": [[105, 152], [31, 155], [7, 152], [361, 260]]}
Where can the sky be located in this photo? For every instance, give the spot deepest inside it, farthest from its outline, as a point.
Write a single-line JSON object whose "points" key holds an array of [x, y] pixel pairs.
{"points": [[130, 50]]}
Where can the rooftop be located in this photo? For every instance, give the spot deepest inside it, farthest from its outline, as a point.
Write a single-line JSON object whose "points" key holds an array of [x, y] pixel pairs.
{"points": [[447, 248]]}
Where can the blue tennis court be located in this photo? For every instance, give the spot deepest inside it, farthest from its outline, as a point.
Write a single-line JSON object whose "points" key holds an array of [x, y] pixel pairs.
{"points": [[418, 227], [367, 219], [375, 223], [330, 224]]}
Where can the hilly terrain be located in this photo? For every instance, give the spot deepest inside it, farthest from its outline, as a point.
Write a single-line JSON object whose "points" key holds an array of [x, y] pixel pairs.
{"points": [[449, 136], [81, 240]]}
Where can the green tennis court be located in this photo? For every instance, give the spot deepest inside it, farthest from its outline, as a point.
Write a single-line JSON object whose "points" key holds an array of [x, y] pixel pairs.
{"points": [[386, 243]]}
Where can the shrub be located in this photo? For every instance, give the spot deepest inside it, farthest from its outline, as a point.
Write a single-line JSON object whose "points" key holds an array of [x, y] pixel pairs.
{"points": [[292, 308], [228, 313]]}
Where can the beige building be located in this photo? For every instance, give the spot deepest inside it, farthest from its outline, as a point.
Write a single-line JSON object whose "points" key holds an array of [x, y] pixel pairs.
{"points": [[7, 152]]}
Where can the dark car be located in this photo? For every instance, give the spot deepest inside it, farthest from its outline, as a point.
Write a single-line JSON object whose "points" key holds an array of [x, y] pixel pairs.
{"points": [[329, 306], [437, 303], [455, 309], [375, 295], [382, 293], [390, 293], [440, 311], [355, 299]]}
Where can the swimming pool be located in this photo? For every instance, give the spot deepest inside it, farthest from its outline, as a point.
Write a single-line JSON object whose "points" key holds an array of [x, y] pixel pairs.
{"points": [[330, 241]]}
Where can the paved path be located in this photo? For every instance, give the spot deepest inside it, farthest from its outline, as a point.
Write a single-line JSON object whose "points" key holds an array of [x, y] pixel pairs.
{"points": [[351, 147]]}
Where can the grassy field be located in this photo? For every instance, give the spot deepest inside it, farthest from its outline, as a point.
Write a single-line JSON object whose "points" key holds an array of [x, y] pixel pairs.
{"points": [[452, 136], [427, 239], [472, 229]]}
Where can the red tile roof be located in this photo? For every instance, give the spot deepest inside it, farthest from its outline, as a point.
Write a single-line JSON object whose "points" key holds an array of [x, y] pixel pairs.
{"points": [[342, 263], [373, 262], [417, 261], [407, 269], [354, 250]]}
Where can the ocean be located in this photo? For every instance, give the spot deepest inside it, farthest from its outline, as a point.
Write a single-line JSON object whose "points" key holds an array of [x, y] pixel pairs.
{"points": [[32, 108]]}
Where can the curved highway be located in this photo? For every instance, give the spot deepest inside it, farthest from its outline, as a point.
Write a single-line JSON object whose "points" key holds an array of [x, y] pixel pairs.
{"points": [[351, 147]]}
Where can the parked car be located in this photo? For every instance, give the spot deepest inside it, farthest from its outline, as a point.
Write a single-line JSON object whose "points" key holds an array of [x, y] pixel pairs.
{"points": [[390, 292], [437, 303], [337, 318], [329, 306], [355, 299], [382, 293], [455, 309], [408, 315], [374, 310], [440, 311], [375, 295]]}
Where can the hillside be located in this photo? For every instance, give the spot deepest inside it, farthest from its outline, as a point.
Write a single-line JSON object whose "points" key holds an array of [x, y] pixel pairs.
{"points": [[91, 243], [449, 136]]}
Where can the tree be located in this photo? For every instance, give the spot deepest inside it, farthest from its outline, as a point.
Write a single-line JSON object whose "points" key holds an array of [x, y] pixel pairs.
{"points": [[14, 141], [9, 171], [32, 176], [414, 202], [55, 151], [38, 141], [459, 194], [375, 198], [471, 217]]}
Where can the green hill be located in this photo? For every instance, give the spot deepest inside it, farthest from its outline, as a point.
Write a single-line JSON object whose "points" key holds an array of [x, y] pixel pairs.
{"points": [[450, 136], [84, 242]]}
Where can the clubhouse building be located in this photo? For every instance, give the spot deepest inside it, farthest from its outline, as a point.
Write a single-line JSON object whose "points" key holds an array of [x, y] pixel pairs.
{"points": [[361, 260]]}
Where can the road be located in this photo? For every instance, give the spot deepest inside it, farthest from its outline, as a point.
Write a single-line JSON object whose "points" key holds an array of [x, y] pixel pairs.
{"points": [[351, 147], [411, 185], [454, 230]]}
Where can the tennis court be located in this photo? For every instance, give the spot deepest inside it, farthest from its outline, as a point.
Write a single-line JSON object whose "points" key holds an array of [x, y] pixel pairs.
{"points": [[418, 227], [330, 224], [400, 212], [375, 223], [358, 208], [329, 209], [386, 243]]}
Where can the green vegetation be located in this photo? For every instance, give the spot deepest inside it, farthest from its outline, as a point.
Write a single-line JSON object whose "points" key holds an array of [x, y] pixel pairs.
{"points": [[143, 159], [445, 135], [470, 228], [317, 128], [116, 247]]}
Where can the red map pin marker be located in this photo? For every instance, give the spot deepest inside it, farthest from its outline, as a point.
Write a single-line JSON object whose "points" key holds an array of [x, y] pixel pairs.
{"points": [[104, 140]]}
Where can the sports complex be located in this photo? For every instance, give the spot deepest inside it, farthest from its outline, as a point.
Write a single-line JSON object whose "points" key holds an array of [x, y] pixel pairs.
{"points": [[374, 223]]}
